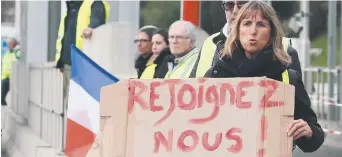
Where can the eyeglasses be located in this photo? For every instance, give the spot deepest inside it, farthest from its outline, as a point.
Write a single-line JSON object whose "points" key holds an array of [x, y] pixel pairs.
{"points": [[177, 37], [141, 40], [230, 5]]}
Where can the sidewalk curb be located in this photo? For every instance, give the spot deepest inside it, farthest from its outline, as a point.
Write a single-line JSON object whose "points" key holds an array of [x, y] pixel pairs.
{"points": [[19, 140]]}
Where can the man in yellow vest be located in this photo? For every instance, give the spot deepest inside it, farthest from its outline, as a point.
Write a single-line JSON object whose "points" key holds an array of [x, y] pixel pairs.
{"points": [[11, 55], [182, 40], [77, 24], [213, 45]]}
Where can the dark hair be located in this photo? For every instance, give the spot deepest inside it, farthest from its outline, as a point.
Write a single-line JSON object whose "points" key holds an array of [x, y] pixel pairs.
{"points": [[149, 30], [164, 33]]}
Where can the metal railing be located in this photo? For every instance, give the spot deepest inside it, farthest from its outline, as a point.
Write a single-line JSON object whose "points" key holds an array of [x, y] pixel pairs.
{"points": [[46, 113], [323, 86]]}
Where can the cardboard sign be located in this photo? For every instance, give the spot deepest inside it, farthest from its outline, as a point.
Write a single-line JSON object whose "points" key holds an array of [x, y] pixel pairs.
{"points": [[241, 117]]}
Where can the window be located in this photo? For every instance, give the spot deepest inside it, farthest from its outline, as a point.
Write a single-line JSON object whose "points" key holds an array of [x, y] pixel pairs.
{"points": [[8, 13]]}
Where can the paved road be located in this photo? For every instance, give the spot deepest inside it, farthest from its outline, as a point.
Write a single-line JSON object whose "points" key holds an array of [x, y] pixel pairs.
{"points": [[332, 147], [324, 151]]}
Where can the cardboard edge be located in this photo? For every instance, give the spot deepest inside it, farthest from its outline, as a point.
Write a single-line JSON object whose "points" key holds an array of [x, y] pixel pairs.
{"points": [[116, 114]]}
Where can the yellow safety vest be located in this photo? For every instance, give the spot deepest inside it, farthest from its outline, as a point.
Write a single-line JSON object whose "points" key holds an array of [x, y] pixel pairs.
{"points": [[83, 20], [149, 71], [208, 52], [184, 68], [7, 60], [286, 77]]}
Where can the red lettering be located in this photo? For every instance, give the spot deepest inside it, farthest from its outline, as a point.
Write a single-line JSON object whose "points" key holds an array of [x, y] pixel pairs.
{"points": [[200, 96], [192, 104], [205, 141], [202, 80], [263, 128], [171, 84], [181, 138], [154, 96], [230, 135], [270, 86], [159, 138], [240, 93], [261, 152], [223, 89], [136, 97], [193, 142], [211, 96]]}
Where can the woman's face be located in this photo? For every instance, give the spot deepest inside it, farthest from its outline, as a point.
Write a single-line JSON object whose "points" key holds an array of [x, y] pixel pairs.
{"points": [[255, 33], [143, 43], [158, 44]]}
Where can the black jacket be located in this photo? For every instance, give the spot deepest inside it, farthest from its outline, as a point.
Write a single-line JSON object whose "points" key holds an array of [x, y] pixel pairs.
{"points": [[97, 18], [140, 63], [162, 63], [219, 42], [264, 65]]}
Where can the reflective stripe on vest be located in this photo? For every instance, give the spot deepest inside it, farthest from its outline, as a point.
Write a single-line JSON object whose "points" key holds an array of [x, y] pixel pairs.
{"points": [[208, 52], [286, 77], [6, 67], [83, 20], [183, 69], [149, 72]]}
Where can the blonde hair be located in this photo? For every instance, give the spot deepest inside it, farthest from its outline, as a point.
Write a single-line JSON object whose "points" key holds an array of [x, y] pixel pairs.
{"points": [[276, 30]]}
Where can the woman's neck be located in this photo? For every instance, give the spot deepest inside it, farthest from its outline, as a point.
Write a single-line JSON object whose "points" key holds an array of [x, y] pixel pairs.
{"points": [[152, 58], [251, 55]]}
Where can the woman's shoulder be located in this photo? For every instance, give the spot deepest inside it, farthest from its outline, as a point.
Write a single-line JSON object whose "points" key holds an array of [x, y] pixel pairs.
{"points": [[294, 77], [220, 69], [164, 56]]}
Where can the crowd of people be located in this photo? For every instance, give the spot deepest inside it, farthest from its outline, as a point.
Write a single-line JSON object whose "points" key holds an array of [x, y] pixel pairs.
{"points": [[251, 44]]}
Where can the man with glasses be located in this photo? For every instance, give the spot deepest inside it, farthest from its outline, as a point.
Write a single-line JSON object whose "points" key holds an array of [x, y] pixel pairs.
{"points": [[213, 45], [182, 40]]}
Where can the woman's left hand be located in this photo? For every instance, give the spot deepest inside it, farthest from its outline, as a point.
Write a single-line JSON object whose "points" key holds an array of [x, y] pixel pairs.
{"points": [[299, 128]]}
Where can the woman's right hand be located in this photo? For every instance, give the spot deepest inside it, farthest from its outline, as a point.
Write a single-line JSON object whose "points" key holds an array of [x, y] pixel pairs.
{"points": [[299, 128]]}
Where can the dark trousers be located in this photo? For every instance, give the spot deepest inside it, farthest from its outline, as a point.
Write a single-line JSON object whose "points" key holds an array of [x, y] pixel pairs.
{"points": [[4, 90]]}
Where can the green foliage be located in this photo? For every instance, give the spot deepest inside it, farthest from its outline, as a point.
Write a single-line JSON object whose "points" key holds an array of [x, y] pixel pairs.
{"points": [[159, 13], [322, 42]]}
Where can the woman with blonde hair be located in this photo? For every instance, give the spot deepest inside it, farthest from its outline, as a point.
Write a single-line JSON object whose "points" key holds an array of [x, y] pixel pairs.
{"points": [[254, 49]]}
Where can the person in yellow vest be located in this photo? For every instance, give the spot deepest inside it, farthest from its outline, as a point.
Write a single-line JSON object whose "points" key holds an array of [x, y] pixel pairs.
{"points": [[213, 45], [77, 24], [11, 55], [254, 49], [182, 40], [157, 67], [144, 47]]}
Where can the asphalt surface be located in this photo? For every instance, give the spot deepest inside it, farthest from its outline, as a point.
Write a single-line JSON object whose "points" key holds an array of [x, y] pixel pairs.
{"points": [[324, 151], [332, 147]]}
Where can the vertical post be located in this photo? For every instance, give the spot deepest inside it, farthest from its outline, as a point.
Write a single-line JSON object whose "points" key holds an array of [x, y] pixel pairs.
{"points": [[305, 45], [190, 11], [22, 86], [340, 74], [331, 53], [54, 16]]}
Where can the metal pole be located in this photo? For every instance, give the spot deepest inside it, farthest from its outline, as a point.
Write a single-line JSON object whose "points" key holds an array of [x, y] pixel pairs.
{"points": [[340, 74], [305, 45], [54, 16], [331, 53]]}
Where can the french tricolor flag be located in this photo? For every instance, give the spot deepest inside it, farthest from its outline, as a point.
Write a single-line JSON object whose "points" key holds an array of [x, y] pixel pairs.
{"points": [[83, 115]]}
